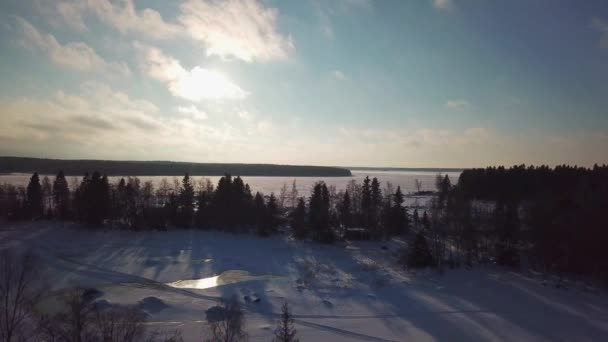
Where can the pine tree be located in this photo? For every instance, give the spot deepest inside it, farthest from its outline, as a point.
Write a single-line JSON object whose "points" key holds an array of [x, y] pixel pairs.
{"points": [[61, 196], [346, 211], [186, 199], [420, 253], [272, 210], [285, 330], [366, 203], [416, 218], [319, 213], [34, 204], [426, 224], [298, 222], [375, 206], [259, 212], [399, 220], [47, 196]]}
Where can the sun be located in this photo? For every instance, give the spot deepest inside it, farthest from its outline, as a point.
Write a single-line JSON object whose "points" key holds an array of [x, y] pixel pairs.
{"points": [[204, 84]]}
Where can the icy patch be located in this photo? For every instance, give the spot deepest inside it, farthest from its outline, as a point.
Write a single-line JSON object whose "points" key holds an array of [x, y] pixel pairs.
{"points": [[225, 278]]}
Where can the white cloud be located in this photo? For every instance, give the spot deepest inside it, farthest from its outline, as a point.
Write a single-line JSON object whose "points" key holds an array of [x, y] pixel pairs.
{"points": [[442, 4], [121, 15], [74, 55], [243, 29], [245, 115], [71, 14], [195, 85], [456, 104], [193, 112]]}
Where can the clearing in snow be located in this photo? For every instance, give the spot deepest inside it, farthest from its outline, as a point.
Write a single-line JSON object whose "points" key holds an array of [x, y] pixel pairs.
{"points": [[342, 292]]}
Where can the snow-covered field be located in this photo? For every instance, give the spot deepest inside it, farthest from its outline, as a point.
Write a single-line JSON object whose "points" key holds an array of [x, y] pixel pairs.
{"points": [[345, 292]]}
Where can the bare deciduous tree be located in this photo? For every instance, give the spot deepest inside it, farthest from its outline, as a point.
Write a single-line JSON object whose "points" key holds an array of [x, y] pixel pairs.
{"points": [[230, 328], [19, 293]]}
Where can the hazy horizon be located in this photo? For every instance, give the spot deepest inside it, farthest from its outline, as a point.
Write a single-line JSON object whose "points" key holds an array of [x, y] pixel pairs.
{"points": [[402, 84]]}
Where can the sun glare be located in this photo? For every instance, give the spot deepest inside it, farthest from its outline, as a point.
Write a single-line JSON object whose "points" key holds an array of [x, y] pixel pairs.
{"points": [[204, 84]]}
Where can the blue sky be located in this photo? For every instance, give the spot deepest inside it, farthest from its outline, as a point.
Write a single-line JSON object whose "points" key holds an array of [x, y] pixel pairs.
{"points": [[428, 83]]}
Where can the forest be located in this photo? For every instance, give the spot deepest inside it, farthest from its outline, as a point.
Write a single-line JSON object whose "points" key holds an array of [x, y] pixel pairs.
{"points": [[162, 168], [548, 219]]}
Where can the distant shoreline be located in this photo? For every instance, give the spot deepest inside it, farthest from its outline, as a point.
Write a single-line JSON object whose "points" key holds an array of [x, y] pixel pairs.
{"points": [[428, 169], [162, 168]]}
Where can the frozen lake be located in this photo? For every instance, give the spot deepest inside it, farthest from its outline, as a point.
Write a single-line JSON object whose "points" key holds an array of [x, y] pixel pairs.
{"points": [[267, 185]]}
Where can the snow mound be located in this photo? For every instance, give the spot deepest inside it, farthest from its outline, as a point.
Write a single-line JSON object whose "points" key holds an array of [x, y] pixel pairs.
{"points": [[152, 305]]}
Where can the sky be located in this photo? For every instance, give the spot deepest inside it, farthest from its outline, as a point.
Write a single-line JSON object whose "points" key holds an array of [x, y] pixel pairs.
{"points": [[425, 83]]}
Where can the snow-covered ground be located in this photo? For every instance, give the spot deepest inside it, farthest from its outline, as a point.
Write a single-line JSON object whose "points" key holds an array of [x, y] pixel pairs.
{"points": [[345, 292]]}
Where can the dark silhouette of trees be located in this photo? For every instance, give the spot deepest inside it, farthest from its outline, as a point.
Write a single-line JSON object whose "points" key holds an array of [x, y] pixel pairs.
{"points": [[93, 199], [366, 204], [298, 220], [375, 207], [259, 209], [61, 196], [34, 206], [186, 202], [345, 211], [398, 222], [419, 254], [319, 213]]}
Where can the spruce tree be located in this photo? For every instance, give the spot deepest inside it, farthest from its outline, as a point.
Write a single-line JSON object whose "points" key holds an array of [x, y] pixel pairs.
{"points": [[420, 253], [319, 213], [186, 199], [366, 203], [272, 210], [426, 224], [285, 330], [61, 196], [346, 211], [375, 206], [298, 221], [33, 202], [259, 212]]}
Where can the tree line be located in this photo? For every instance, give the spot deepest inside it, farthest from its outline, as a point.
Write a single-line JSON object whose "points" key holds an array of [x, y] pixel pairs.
{"points": [[549, 219], [230, 206], [163, 168]]}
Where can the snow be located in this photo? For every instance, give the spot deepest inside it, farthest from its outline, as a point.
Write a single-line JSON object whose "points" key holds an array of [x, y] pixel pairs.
{"points": [[343, 292]]}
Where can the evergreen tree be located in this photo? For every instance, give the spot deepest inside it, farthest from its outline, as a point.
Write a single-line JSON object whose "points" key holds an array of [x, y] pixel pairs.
{"points": [[420, 254], [47, 196], [203, 204], [34, 205], [346, 211], [507, 233], [61, 196], [375, 206], [319, 213], [186, 201], [285, 330], [426, 224], [259, 211], [298, 222], [399, 221], [416, 218], [366, 203], [272, 210]]}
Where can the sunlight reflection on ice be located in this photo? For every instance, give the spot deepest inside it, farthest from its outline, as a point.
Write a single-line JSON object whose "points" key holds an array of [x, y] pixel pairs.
{"points": [[227, 277], [200, 284]]}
